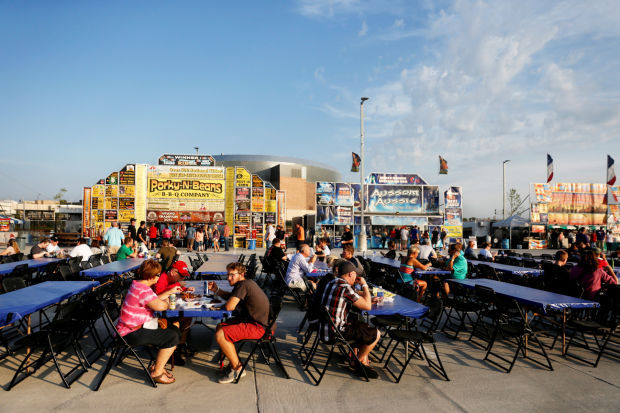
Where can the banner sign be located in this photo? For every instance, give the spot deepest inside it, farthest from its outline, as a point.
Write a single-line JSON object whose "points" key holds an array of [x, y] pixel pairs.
{"points": [[343, 195], [127, 175], [325, 188], [242, 176], [270, 218], [453, 216], [325, 215], [111, 215], [258, 199], [395, 179], [98, 190], [431, 200], [126, 203], [452, 197], [111, 191], [5, 224], [343, 215], [185, 216], [187, 160], [86, 214], [394, 198], [397, 220], [281, 201], [112, 179], [185, 188]]}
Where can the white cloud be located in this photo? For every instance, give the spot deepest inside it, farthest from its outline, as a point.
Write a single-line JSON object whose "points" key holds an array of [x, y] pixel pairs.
{"points": [[502, 80], [364, 30], [325, 8]]}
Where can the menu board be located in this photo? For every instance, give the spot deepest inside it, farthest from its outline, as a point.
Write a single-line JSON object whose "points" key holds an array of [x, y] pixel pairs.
{"points": [[111, 203], [125, 216], [242, 177], [126, 203], [98, 190], [127, 176], [258, 199], [242, 199], [97, 203], [112, 179], [127, 190], [111, 190], [111, 215]]}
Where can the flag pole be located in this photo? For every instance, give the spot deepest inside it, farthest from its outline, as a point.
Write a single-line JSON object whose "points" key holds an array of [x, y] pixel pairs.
{"points": [[362, 239]]}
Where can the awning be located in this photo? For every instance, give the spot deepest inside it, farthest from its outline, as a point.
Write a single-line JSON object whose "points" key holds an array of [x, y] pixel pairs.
{"points": [[512, 222], [13, 220]]}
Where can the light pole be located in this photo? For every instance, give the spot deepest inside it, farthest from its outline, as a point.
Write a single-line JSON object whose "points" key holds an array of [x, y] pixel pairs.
{"points": [[362, 227], [504, 189]]}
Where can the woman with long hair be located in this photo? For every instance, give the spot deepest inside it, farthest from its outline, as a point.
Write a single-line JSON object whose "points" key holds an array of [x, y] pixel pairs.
{"points": [[11, 248], [590, 276]]}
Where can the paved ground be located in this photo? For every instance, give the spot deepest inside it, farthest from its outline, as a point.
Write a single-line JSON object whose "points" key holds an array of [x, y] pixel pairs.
{"points": [[475, 385]]}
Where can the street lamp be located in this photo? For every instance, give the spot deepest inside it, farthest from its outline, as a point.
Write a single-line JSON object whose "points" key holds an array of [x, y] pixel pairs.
{"points": [[504, 189], [362, 228]]}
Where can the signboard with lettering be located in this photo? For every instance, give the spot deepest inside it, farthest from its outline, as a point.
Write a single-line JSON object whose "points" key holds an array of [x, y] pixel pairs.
{"points": [[187, 160]]}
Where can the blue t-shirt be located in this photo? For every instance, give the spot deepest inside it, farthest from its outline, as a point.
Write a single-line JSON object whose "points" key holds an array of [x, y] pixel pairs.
{"points": [[191, 232]]}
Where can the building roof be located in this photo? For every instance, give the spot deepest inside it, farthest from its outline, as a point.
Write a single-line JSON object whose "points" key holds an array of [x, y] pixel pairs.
{"points": [[273, 159]]}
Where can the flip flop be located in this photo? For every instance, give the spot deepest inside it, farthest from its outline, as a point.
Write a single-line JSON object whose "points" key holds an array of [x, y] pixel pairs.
{"points": [[166, 372], [163, 379]]}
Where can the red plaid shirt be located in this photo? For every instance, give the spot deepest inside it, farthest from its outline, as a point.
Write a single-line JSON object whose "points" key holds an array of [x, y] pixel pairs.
{"points": [[337, 299]]}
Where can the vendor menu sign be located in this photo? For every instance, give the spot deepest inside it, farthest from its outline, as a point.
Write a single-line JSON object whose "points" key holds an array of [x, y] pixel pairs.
{"points": [[166, 182]]}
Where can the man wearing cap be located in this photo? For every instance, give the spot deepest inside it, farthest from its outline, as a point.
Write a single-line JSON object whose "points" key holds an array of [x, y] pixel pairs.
{"points": [[347, 253], [114, 238], [167, 281], [299, 266], [337, 299], [347, 237], [53, 248]]}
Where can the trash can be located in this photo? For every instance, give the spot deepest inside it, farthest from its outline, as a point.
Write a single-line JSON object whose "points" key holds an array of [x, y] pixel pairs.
{"points": [[21, 241], [251, 244], [506, 244]]}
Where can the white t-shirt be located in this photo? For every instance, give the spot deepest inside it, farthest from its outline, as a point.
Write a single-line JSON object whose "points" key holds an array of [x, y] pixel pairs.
{"points": [[404, 234], [426, 251], [52, 248], [82, 250], [326, 251], [485, 253]]}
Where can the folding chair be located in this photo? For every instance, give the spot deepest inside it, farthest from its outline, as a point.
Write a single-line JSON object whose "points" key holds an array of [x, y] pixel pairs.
{"points": [[417, 338], [458, 309], [105, 259], [267, 343], [120, 347], [95, 260], [486, 271], [512, 324], [487, 316], [297, 294], [13, 283], [334, 340], [51, 340], [602, 327]]}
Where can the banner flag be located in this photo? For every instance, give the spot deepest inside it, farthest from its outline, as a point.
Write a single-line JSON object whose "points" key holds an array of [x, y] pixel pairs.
{"points": [[355, 166], [443, 166], [611, 174], [549, 168]]}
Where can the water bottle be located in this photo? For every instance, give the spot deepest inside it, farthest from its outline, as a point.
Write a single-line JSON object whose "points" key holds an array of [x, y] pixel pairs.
{"points": [[173, 302], [205, 289], [380, 296]]}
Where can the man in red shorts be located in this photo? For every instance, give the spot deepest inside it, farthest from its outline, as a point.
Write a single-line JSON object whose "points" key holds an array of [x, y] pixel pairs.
{"points": [[253, 305]]}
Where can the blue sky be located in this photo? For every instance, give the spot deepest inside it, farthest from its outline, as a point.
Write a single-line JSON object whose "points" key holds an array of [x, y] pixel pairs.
{"points": [[86, 87]]}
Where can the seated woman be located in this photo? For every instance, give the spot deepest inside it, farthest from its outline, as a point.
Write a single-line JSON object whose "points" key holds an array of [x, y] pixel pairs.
{"points": [[391, 254], [457, 264], [137, 324], [590, 276], [11, 248], [408, 265]]}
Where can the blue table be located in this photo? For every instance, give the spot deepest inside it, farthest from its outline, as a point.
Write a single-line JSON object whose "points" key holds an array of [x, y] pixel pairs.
{"points": [[216, 265], [21, 303], [540, 300], [396, 264], [113, 268], [400, 305], [199, 312], [511, 269], [35, 263]]}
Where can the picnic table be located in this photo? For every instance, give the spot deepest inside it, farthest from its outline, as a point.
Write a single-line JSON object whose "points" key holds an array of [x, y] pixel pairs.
{"points": [[113, 268], [19, 304], [539, 300], [216, 265], [8, 267], [202, 311], [510, 269], [398, 305]]}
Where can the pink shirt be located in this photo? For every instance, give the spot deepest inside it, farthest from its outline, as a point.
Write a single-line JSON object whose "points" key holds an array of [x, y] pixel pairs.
{"points": [[134, 311]]}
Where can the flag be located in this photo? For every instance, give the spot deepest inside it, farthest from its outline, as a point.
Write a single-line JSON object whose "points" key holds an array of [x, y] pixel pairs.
{"points": [[611, 174], [443, 166], [355, 166], [549, 168]]}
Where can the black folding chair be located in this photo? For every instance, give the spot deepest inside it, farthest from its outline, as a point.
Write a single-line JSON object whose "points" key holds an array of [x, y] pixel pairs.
{"points": [[51, 341], [459, 310], [120, 347], [487, 316], [601, 326], [512, 324], [333, 341], [486, 271], [297, 294], [267, 343], [13, 283], [417, 338]]}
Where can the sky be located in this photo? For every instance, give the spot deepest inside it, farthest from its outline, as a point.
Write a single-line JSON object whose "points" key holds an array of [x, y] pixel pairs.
{"points": [[87, 87]]}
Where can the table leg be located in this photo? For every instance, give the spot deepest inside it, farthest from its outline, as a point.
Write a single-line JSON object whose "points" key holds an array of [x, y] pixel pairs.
{"points": [[564, 332], [28, 331], [526, 337]]}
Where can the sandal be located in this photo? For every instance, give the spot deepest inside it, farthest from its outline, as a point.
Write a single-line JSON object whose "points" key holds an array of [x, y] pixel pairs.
{"points": [[163, 379], [166, 372]]}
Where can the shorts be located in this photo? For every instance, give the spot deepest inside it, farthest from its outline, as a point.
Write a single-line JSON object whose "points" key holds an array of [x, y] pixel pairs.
{"points": [[361, 333], [298, 284], [160, 338], [235, 330], [198, 243]]}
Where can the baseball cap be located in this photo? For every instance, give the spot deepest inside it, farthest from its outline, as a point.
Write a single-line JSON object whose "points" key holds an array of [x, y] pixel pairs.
{"points": [[181, 267], [346, 267], [54, 238]]}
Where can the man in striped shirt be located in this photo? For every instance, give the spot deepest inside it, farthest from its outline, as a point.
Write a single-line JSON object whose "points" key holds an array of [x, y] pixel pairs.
{"points": [[337, 299]]}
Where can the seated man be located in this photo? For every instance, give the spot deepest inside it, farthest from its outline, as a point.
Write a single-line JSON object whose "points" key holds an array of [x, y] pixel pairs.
{"points": [[337, 298], [127, 250], [391, 254], [322, 250], [485, 252], [275, 253], [39, 250], [555, 275], [81, 250], [427, 253], [347, 254], [53, 249], [299, 266], [253, 306], [167, 253], [470, 251]]}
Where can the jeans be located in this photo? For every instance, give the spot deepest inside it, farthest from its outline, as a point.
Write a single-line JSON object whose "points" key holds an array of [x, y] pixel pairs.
{"points": [[225, 243]]}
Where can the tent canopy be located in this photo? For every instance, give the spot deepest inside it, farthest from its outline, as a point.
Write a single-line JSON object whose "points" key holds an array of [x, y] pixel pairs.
{"points": [[13, 220], [512, 222]]}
